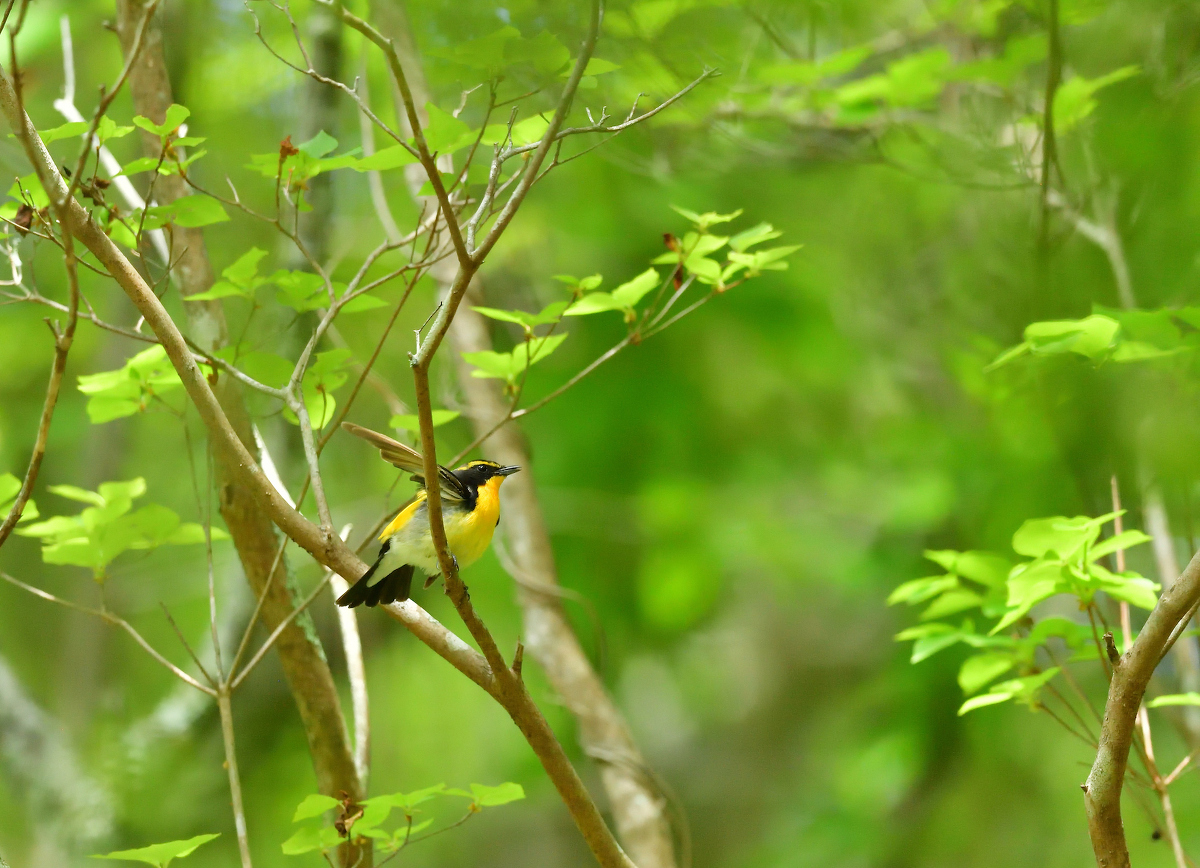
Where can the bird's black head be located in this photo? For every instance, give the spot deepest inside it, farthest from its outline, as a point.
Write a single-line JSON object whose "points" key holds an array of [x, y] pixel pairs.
{"points": [[477, 473]]}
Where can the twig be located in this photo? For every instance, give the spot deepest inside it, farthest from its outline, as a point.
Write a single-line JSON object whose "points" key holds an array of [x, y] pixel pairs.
{"points": [[235, 781], [116, 621]]}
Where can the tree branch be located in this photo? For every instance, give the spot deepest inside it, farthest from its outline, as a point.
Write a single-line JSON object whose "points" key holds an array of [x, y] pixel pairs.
{"points": [[1102, 792]]}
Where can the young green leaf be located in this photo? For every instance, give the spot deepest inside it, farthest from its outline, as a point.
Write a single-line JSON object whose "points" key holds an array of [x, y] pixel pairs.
{"points": [[755, 235], [174, 116], [66, 131], [389, 158], [445, 133], [314, 805], [161, 855], [509, 366], [311, 838], [978, 671], [707, 219], [10, 487], [501, 794]]}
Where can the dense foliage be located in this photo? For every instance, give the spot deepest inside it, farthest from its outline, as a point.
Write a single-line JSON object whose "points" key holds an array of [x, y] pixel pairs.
{"points": [[968, 348]]}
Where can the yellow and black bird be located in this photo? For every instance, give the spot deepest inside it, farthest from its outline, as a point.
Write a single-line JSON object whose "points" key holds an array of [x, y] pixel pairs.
{"points": [[470, 513]]}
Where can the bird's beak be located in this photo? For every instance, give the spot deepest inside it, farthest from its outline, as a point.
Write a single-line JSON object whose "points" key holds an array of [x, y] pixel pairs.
{"points": [[507, 471]]}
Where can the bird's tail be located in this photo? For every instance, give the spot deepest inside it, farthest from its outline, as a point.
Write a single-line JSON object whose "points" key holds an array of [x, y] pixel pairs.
{"points": [[392, 588]]}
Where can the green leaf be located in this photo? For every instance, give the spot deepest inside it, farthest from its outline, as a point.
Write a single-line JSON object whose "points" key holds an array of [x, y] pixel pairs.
{"points": [[707, 219], [1127, 586], [82, 495], [220, 289], [197, 210], [161, 854], [311, 838], [486, 53], [1190, 698], [1063, 536], [755, 235], [1092, 336], [141, 164], [919, 590], [952, 602], [313, 806], [245, 268], [445, 133], [1025, 689], [983, 567], [109, 129], [389, 158], [10, 487], [409, 422], [300, 290], [546, 54], [1124, 540], [509, 366], [631, 292], [596, 66], [173, 117], [596, 302], [978, 671], [360, 303], [983, 700], [1074, 100], [66, 131], [549, 314], [501, 794]]}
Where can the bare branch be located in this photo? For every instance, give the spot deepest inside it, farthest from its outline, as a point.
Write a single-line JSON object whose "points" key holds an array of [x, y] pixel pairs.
{"points": [[110, 618]]}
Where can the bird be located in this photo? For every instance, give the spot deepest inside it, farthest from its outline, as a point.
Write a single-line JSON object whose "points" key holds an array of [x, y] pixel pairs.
{"points": [[470, 514]]}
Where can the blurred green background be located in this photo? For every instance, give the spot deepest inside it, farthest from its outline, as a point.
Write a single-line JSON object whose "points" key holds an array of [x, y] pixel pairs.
{"points": [[736, 497]]}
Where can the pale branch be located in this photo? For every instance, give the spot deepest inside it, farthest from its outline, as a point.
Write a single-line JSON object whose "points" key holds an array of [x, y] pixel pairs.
{"points": [[225, 711]]}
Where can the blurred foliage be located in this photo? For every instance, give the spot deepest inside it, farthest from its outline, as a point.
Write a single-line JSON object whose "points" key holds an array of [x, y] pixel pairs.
{"points": [[737, 497]]}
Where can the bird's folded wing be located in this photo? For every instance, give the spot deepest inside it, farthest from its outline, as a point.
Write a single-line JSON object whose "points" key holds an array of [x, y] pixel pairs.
{"points": [[408, 459]]}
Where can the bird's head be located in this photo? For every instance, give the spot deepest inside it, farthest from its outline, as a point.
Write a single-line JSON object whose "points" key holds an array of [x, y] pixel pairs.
{"points": [[478, 473]]}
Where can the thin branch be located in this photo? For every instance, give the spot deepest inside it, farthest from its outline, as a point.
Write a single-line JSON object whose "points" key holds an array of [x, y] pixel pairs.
{"points": [[116, 621], [235, 781]]}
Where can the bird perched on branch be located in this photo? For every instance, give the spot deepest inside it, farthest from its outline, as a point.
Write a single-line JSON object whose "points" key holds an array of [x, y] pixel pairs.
{"points": [[470, 513]]}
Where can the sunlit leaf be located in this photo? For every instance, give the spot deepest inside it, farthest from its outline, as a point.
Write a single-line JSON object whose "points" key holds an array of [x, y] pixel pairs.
{"points": [[501, 794], [161, 854]]}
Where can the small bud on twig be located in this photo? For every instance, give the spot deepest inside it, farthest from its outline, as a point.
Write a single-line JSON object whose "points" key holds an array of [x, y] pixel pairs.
{"points": [[1111, 648]]}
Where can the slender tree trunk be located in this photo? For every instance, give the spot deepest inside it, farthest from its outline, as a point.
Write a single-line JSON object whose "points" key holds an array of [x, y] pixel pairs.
{"points": [[300, 652]]}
